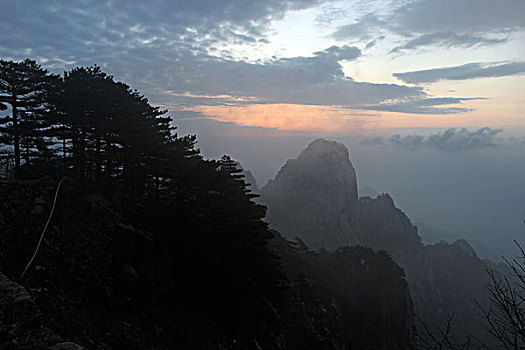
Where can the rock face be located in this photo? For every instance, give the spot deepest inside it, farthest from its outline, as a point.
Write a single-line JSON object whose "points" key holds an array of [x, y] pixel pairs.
{"points": [[320, 187], [383, 226]]}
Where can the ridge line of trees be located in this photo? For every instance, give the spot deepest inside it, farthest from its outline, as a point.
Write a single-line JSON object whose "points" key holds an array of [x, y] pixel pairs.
{"points": [[87, 125]]}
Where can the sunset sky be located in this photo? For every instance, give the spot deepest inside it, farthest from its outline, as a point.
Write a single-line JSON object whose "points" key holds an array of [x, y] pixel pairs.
{"points": [[309, 65]]}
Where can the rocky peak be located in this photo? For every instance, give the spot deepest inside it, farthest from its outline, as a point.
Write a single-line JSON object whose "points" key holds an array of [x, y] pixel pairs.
{"points": [[314, 196], [22, 323], [322, 148], [323, 163]]}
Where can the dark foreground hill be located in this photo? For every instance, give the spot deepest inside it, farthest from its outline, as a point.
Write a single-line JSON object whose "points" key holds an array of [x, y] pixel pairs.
{"points": [[110, 274]]}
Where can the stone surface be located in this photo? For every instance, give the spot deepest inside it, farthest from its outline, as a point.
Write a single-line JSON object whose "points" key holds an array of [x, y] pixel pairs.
{"points": [[20, 318], [314, 197]]}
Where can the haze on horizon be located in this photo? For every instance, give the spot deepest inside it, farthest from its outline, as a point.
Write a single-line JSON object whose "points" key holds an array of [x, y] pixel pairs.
{"points": [[395, 81]]}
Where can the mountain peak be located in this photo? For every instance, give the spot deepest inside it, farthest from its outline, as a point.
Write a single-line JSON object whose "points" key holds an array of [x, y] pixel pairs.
{"points": [[320, 187], [323, 148]]}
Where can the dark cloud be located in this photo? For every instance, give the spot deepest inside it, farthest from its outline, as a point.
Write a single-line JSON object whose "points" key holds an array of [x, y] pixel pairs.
{"points": [[459, 23], [290, 80], [174, 17], [76, 32], [464, 16], [466, 71], [423, 105], [370, 44], [450, 140], [453, 140], [447, 39], [200, 79]]}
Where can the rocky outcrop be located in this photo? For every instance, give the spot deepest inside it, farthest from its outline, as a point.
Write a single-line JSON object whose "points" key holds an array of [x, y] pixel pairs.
{"points": [[314, 197], [21, 324]]}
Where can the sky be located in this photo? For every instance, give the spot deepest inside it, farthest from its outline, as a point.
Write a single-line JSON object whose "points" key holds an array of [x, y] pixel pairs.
{"points": [[419, 90]]}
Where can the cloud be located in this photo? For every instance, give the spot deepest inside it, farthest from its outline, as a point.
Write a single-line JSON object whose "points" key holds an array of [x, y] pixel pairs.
{"points": [[175, 17], [305, 118], [453, 140], [450, 140], [447, 39], [370, 44], [463, 72], [372, 141], [409, 141], [68, 33], [199, 79], [459, 23], [279, 81], [360, 29], [177, 54], [428, 105], [466, 16]]}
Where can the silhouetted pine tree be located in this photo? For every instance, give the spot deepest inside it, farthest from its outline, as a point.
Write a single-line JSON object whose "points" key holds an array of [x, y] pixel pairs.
{"points": [[110, 130], [24, 86]]}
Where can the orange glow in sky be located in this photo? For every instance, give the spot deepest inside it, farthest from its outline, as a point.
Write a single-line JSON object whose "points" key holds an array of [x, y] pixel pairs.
{"points": [[338, 120], [289, 116]]}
